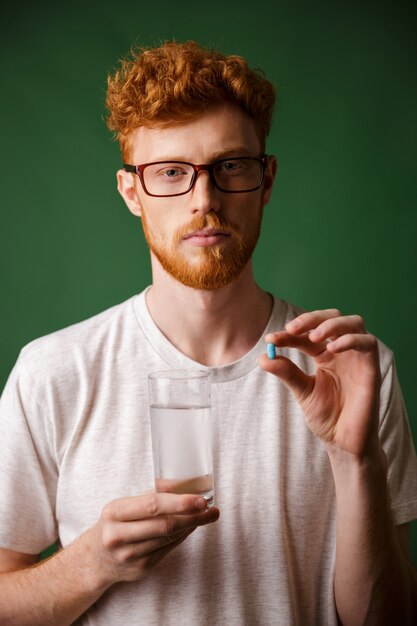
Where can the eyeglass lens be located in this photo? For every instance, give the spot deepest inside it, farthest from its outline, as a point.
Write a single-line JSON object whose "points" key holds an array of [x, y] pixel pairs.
{"points": [[175, 178]]}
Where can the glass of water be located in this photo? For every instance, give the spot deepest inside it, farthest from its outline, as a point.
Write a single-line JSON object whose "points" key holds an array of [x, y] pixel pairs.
{"points": [[182, 432]]}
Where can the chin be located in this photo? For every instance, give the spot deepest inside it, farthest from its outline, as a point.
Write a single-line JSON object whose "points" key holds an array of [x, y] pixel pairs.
{"points": [[207, 268], [206, 276]]}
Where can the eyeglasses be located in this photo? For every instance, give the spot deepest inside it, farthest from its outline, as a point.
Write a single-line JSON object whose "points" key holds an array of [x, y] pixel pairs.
{"points": [[175, 178]]}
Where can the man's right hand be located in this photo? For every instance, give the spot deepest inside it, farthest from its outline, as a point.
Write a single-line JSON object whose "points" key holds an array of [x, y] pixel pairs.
{"points": [[133, 534]]}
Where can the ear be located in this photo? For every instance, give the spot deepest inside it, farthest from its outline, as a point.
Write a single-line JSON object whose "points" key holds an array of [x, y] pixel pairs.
{"points": [[270, 173], [127, 189]]}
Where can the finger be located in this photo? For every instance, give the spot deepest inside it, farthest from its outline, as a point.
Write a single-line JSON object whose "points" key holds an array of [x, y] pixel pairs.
{"points": [[163, 526], [135, 551], [155, 556], [145, 551], [307, 321], [282, 339], [299, 383], [336, 327], [361, 343], [152, 505]]}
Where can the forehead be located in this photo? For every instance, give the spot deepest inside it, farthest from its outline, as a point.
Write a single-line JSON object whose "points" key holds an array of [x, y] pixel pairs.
{"points": [[221, 130]]}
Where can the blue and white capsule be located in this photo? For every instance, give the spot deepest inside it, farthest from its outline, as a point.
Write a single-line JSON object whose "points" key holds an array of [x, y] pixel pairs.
{"points": [[270, 351]]}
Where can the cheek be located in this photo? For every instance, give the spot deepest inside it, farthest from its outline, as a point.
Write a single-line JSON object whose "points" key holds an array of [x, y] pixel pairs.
{"points": [[248, 216], [160, 228]]}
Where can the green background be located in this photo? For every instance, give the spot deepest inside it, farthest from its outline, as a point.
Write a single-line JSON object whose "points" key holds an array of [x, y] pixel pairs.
{"points": [[341, 227]]}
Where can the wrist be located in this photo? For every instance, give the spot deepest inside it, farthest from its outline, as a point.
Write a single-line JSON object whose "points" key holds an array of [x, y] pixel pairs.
{"points": [[359, 473], [374, 459], [362, 493], [95, 573]]}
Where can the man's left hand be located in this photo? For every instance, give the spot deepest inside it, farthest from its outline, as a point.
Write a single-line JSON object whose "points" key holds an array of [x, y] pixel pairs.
{"points": [[341, 400]]}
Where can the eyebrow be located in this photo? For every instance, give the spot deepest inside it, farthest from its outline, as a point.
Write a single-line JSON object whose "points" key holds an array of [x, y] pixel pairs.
{"points": [[238, 151], [217, 156]]}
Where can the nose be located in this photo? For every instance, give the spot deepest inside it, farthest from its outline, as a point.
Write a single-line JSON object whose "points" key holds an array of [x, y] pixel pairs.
{"points": [[204, 195]]}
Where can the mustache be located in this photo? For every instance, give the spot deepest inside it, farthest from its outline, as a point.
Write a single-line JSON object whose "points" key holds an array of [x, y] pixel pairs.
{"points": [[211, 220]]}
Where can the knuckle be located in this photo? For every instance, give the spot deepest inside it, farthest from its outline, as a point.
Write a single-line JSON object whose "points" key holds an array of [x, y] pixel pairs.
{"points": [[151, 504], [126, 555], [326, 325], [168, 527], [110, 537], [359, 320], [107, 512]]}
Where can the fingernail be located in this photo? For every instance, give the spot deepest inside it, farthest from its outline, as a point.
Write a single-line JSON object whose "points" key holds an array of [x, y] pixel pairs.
{"points": [[200, 503]]}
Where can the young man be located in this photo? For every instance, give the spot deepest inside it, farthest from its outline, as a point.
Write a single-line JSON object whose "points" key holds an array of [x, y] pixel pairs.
{"points": [[315, 472]]}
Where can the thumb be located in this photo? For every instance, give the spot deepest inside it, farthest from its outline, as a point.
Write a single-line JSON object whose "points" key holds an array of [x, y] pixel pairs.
{"points": [[300, 383]]}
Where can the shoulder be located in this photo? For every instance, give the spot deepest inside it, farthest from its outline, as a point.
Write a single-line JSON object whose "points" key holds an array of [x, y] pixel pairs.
{"points": [[80, 344]]}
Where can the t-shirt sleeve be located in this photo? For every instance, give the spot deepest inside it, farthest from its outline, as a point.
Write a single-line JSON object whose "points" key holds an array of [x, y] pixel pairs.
{"points": [[397, 442], [28, 470]]}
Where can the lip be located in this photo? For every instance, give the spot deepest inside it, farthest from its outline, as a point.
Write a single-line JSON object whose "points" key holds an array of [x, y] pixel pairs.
{"points": [[207, 232], [206, 237]]}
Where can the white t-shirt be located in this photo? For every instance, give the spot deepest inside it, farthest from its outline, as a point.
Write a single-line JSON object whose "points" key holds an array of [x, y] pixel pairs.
{"points": [[75, 434]]}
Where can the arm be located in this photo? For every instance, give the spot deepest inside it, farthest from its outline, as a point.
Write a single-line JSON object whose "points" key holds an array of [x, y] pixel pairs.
{"points": [[131, 537], [55, 591], [374, 582]]}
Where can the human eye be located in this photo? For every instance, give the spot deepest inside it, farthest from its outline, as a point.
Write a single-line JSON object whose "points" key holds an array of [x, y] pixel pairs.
{"points": [[172, 171], [167, 178], [231, 166]]}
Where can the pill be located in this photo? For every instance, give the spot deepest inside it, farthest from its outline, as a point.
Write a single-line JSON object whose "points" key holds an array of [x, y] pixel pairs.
{"points": [[270, 350]]}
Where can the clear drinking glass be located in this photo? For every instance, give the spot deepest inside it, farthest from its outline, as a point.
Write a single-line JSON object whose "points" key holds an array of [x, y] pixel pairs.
{"points": [[182, 432]]}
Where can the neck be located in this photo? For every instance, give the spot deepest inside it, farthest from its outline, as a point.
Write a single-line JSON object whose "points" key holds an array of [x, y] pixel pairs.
{"points": [[211, 327]]}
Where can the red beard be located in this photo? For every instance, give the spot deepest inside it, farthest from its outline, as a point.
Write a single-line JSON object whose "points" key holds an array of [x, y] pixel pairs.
{"points": [[216, 266]]}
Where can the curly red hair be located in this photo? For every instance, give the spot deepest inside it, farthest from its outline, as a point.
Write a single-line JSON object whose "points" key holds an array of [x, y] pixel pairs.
{"points": [[176, 81]]}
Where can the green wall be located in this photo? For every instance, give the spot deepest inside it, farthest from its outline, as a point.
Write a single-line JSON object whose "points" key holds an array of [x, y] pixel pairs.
{"points": [[341, 227]]}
